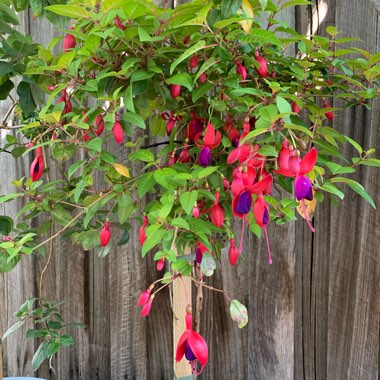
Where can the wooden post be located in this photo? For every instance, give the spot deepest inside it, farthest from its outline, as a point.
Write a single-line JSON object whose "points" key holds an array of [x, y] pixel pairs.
{"points": [[181, 298]]}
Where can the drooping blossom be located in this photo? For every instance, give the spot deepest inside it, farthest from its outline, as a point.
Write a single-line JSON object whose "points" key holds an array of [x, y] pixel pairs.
{"points": [[262, 70], [193, 61], [69, 42], [211, 140], [329, 114], [233, 253], [118, 132], [297, 169], [261, 214], [160, 263], [175, 90], [195, 211], [144, 296], [170, 119], [241, 70], [194, 127], [202, 78], [99, 125], [200, 249], [105, 234], [184, 156], [37, 167], [119, 24], [192, 345], [147, 307], [143, 236]]}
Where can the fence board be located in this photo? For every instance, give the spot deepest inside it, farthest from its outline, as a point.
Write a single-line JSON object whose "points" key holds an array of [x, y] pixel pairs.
{"points": [[314, 314]]}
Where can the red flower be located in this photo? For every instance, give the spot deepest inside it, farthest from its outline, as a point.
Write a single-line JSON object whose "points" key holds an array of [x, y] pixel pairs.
{"points": [[160, 263], [142, 231], [192, 345], [330, 114], [296, 108], [193, 61], [105, 234], [37, 167], [233, 253], [175, 90], [119, 24], [69, 42], [146, 308], [202, 78], [199, 251], [241, 70], [144, 297], [118, 132], [184, 156], [216, 212], [195, 211], [211, 140], [99, 125], [263, 67], [170, 120]]}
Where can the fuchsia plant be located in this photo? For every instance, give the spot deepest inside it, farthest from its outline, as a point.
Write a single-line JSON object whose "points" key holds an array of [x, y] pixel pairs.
{"points": [[200, 108]]}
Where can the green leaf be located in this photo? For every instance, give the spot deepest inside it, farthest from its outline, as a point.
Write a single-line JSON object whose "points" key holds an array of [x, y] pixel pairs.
{"points": [[293, 3], [283, 105], [128, 99], [207, 171], [201, 91], [254, 133], [61, 215], [188, 200], [135, 119], [268, 150], [205, 66], [108, 5], [95, 144], [230, 7], [5, 89], [186, 54], [7, 263], [330, 188], [354, 144], [74, 167], [239, 313], [154, 237], [71, 11], [145, 184], [142, 155], [357, 187], [181, 223], [208, 264], [182, 266], [12, 329], [40, 355], [125, 207], [183, 79], [6, 225], [8, 15], [124, 238]]}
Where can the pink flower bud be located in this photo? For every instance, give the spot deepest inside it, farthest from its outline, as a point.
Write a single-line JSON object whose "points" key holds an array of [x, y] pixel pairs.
{"points": [[175, 90], [99, 125], [105, 234], [118, 132], [202, 78], [226, 184], [233, 253], [160, 263], [195, 211], [296, 108], [144, 297], [193, 61], [146, 308], [241, 70], [69, 42], [119, 24], [51, 87], [263, 67], [37, 167], [330, 114]]}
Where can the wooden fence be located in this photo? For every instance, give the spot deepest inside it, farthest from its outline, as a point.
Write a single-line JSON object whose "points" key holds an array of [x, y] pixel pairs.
{"points": [[314, 314]]}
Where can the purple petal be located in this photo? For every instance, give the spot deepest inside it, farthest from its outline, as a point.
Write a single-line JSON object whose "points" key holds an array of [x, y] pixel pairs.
{"points": [[303, 188], [189, 354], [244, 203], [235, 142], [265, 217], [198, 255], [204, 157]]}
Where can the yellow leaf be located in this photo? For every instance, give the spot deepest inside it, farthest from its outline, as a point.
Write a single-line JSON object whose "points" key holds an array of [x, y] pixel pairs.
{"points": [[248, 12], [122, 170], [307, 208]]}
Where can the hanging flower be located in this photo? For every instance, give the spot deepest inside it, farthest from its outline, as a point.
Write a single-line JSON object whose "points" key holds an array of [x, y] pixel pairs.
{"points": [[142, 231], [170, 119], [160, 263], [144, 296], [69, 42], [105, 234], [298, 168], [175, 90], [233, 253], [192, 345], [199, 251], [211, 140], [37, 167], [99, 125], [241, 70], [118, 132], [119, 24], [147, 307], [262, 70]]}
